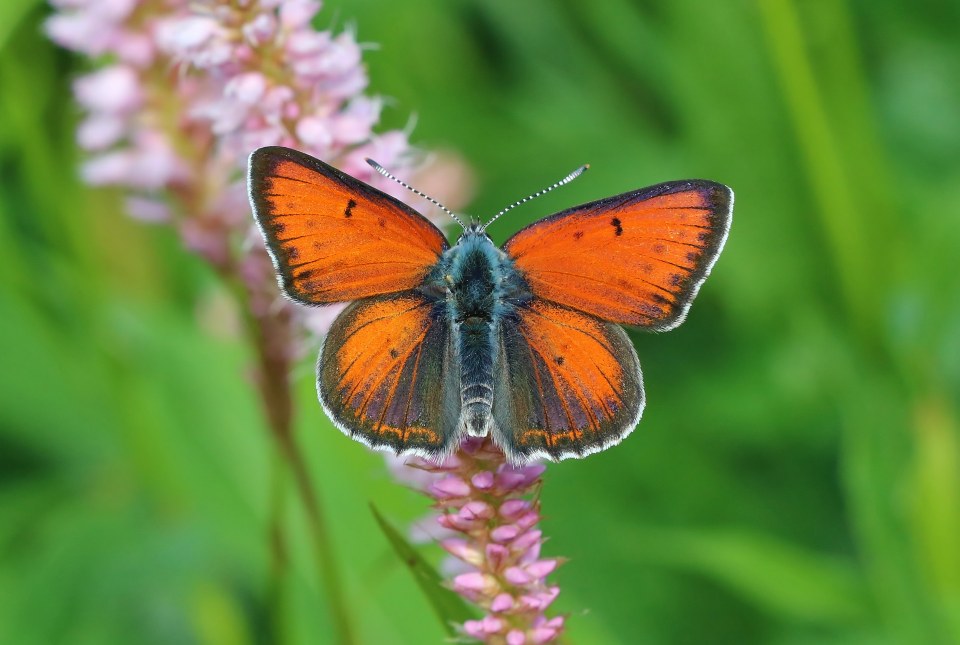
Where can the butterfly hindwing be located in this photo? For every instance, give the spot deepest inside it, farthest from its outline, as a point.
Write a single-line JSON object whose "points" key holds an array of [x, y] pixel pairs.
{"points": [[333, 238], [387, 375], [637, 258], [568, 384]]}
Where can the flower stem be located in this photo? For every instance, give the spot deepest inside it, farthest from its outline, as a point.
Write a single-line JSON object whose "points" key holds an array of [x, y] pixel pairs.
{"points": [[271, 331]]}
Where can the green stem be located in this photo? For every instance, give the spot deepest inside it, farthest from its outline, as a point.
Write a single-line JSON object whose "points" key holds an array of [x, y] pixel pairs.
{"points": [[272, 335], [279, 557]]}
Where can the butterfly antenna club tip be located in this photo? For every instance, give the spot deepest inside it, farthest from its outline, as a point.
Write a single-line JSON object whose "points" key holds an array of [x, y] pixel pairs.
{"points": [[383, 171], [566, 180]]}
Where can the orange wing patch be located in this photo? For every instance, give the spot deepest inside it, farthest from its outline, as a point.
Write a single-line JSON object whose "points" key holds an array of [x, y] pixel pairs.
{"points": [[332, 237], [637, 258], [571, 384], [384, 376]]}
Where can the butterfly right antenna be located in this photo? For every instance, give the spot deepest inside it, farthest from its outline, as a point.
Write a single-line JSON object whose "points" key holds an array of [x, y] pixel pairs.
{"points": [[383, 171], [566, 180]]}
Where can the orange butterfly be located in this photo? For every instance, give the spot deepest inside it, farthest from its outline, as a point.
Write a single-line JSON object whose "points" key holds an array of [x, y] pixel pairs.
{"points": [[523, 343]]}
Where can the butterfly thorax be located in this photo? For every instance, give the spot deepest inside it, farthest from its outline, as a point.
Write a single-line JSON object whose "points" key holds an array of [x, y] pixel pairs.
{"points": [[477, 288]]}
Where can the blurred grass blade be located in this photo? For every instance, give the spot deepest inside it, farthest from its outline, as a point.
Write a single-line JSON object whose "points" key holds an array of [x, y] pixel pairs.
{"points": [[777, 576], [11, 13], [447, 605]]}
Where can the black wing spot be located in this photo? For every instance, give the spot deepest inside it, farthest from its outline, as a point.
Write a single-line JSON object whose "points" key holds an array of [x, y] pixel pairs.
{"points": [[616, 224], [382, 223], [578, 235], [394, 353], [659, 248], [350, 206], [559, 360]]}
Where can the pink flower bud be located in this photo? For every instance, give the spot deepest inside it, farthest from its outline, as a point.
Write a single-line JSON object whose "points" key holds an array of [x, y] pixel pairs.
{"points": [[476, 510], [492, 625], [516, 637], [504, 533], [314, 132], [115, 89], [517, 576], [512, 508], [502, 602], [247, 88], [541, 568], [475, 629], [448, 487], [463, 550], [527, 540], [474, 582], [528, 520], [483, 480], [297, 14], [542, 635], [497, 554]]}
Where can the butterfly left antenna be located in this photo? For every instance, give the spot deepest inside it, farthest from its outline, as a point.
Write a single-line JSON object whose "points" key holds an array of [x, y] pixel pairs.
{"points": [[566, 180], [383, 171]]}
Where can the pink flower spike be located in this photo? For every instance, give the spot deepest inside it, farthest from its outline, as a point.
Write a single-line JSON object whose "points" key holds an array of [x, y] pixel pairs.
{"points": [[504, 533], [449, 487], [516, 637], [502, 602]]}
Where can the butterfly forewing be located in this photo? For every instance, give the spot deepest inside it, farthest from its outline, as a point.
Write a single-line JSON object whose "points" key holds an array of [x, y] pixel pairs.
{"points": [[332, 237], [568, 384], [635, 259], [386, 375]]}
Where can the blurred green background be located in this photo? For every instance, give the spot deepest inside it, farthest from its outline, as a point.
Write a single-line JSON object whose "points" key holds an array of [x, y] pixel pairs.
{"points": [[796, 478]]}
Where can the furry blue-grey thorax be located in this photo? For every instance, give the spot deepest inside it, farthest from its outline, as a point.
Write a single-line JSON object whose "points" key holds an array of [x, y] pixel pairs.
{"points": [[476, 288]]}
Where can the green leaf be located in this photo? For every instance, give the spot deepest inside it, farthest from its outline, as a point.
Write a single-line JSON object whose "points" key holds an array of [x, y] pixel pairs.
{"points": [[448, 606], [783, 578]]}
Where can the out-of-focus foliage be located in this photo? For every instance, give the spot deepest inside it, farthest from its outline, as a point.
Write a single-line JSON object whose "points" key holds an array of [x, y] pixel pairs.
{"points": [[796, 478]]}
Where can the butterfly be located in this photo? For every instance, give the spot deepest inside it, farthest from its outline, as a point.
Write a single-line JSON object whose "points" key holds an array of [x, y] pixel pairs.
{"points": [[521, 342]]}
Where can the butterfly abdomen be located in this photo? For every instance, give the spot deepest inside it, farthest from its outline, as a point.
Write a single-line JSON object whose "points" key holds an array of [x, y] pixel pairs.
{"points": [[476, 377]]}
